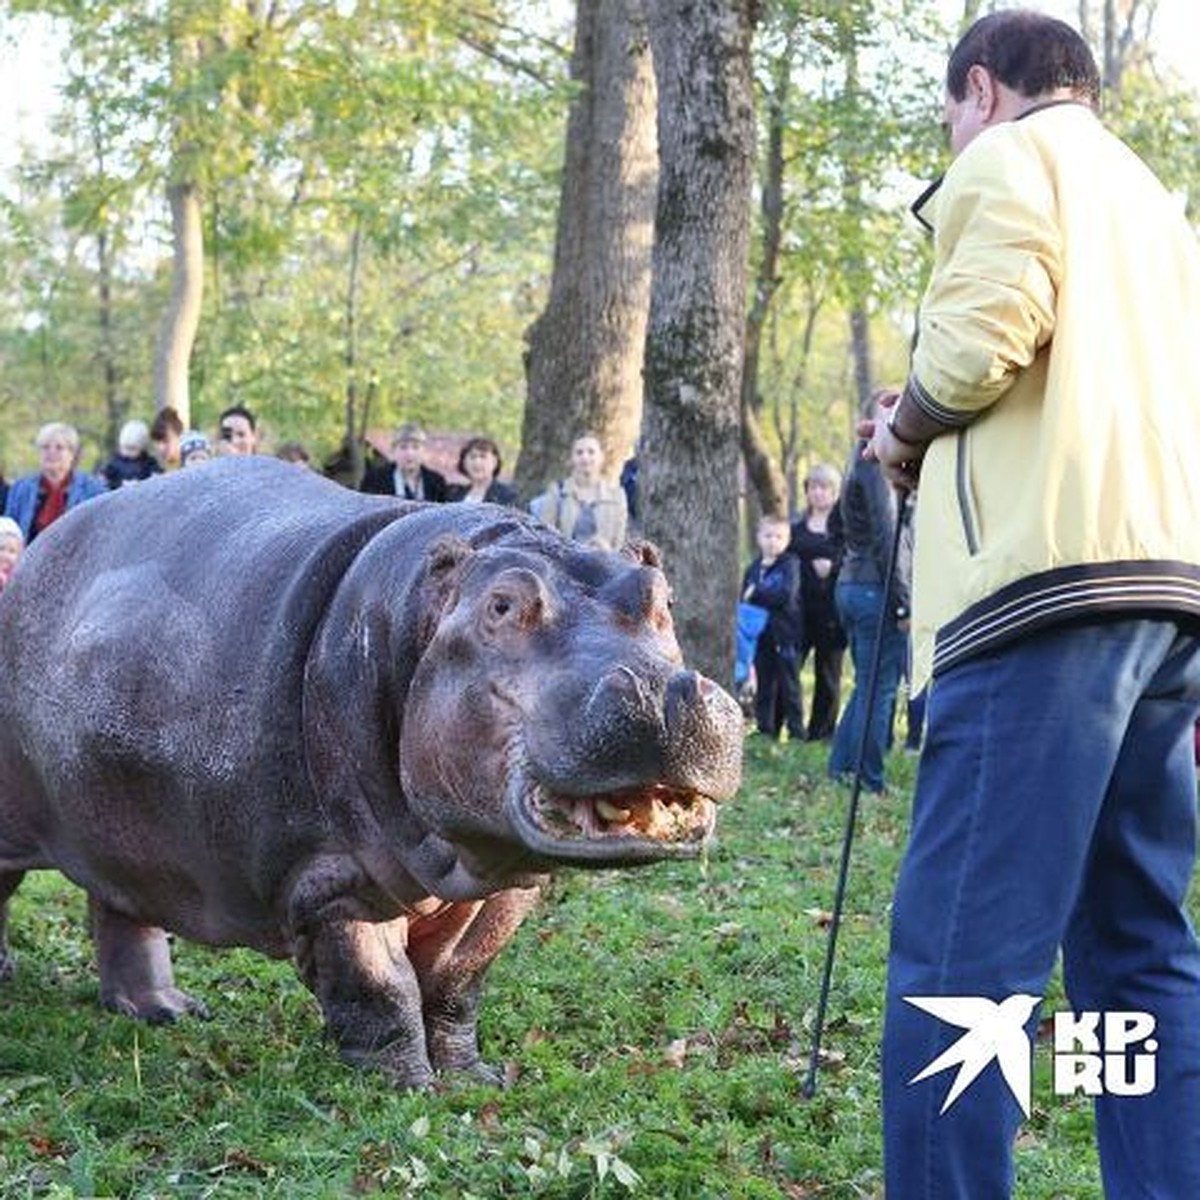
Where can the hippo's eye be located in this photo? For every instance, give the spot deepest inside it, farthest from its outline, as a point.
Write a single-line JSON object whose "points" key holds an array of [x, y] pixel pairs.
{"points": [[500, 606]]}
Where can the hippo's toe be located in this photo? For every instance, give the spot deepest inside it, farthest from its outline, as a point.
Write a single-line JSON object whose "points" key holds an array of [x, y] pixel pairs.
{"points": [[162, 1006]]}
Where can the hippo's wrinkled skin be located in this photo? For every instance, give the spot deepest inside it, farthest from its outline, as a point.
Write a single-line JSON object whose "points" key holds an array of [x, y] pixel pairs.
{"points": [[249, 706]]}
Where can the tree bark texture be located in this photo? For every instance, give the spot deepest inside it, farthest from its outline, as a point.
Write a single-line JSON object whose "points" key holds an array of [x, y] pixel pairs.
{"points": [[584, 361], [763, 472], [695, 342], [182, 318], [114, 409]]}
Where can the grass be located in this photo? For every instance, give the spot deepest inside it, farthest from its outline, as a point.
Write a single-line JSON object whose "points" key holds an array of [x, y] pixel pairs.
{"points": [[655, 1025]]}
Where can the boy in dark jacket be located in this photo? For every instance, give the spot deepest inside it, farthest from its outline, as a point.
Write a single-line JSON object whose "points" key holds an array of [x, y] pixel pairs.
{"points": [[772, 581]]}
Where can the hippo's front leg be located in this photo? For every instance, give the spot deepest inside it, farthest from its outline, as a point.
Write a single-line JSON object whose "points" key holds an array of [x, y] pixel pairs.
{"points": [[369, 995], [451, 951]]}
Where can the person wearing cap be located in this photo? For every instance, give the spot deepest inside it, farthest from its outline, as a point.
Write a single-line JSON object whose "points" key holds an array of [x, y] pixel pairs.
{"points": [[12, 545], [407, 476], [37, 501], [194, 449], [133, 462]]}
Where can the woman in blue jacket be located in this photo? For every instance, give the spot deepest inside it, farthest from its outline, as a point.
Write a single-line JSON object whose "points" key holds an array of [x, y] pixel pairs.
{"points": [[37, 501]]}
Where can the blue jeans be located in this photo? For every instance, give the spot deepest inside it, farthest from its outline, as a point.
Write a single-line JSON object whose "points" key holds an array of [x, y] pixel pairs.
{"points": [[859, 606], [1055, 805]]}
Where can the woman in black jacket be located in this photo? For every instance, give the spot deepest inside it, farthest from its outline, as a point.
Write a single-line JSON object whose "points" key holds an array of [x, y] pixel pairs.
{"points": [[817, 543]]}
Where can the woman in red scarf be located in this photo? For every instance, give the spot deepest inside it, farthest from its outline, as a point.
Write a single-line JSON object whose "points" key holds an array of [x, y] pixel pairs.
{"points": [[37, 501]]}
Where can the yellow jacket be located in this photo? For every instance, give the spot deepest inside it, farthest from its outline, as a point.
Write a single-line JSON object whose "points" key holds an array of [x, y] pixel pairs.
{"points": [[1060, 336]]}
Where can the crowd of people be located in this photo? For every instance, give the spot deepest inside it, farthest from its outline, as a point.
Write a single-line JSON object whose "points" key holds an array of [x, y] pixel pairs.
{"points": [[814, 585], [821, 584]]}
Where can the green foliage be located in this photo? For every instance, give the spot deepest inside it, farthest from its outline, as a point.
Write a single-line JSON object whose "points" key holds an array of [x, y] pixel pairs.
{"points": [[428, 136], [1163, 125], [419, 142], [655, 1025]]}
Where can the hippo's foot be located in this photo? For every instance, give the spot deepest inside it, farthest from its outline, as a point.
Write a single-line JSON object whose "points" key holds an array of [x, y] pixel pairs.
{"points": [[454, 1052], [405, 1067], [162, 1006], [136, 978]]}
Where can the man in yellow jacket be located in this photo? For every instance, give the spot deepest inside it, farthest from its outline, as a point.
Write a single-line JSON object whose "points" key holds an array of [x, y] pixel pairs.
{"points": [[1052, 420]]}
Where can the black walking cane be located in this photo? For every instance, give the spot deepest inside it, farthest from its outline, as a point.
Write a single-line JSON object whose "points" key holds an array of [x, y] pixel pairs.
{"points": [[886, 613]]}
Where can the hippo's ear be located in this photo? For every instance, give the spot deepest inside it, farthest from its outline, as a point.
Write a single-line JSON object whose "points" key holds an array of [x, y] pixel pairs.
{"points": [[645, 554], [443, 566]]}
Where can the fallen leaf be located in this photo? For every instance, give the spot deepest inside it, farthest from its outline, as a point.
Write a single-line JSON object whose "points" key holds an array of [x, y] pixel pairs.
{"points": [[489, 1117], [676, 1052]]}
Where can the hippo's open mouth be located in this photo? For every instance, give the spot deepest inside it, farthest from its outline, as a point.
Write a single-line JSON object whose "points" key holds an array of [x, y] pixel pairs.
{"points": [[626, 826]]}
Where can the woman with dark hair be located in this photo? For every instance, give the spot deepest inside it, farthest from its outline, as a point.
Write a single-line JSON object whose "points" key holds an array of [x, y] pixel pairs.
{"points": [[479, 460]]}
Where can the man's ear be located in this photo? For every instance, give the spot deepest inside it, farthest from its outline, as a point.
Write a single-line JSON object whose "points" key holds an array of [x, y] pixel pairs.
{"points": [[981, 89]]}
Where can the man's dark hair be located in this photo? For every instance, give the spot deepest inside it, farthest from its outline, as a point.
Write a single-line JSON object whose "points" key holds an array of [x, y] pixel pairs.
{"points": [[167, 421], [239, 410], [1029, 52]]}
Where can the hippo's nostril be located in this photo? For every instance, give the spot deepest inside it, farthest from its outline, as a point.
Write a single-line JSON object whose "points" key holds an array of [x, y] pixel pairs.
{"points": [[620, 685], [684, 690]]}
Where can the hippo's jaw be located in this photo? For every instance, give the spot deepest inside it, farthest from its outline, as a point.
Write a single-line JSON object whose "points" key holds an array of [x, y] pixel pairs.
{"points": [[635, 825]]}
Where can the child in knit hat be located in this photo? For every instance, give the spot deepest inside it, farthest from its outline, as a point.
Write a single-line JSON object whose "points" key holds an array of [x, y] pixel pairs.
{"points": [[194, 449]]}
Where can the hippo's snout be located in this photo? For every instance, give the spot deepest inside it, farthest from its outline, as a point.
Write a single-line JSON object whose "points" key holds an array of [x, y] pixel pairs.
{"points": [[703, 744], [649, 754], [678, 729]]}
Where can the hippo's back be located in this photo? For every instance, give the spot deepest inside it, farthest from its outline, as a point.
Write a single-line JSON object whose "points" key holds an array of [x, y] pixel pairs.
{"points": [[152, 648]]}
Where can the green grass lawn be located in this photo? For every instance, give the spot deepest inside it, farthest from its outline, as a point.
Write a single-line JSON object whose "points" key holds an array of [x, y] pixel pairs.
{"points": [[654, 1024]]}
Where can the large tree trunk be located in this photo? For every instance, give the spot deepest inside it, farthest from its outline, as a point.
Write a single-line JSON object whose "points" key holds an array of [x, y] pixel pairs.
{"points": [[585, 351], [689, 461]]}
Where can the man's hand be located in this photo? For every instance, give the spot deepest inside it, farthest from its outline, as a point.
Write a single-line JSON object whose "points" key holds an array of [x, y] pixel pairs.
{"points": [[899, 460]]}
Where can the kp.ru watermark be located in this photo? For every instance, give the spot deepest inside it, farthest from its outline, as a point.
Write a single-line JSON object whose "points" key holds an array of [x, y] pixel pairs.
{"points": [[1095, 1053]]}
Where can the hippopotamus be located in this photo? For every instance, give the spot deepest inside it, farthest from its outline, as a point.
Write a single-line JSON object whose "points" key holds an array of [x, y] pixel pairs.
{"points": [[250, 707]]}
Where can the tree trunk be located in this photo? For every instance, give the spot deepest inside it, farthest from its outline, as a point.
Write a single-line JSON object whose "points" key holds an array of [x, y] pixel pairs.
{"points": [[857, 268], [354, 430], [763, 471], [689, 461], [113, 408], [182, 319], [584, 362], [860, 355]]}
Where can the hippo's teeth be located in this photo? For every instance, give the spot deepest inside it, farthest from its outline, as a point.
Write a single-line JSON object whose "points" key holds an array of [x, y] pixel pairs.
{"points": [[612, 812]]}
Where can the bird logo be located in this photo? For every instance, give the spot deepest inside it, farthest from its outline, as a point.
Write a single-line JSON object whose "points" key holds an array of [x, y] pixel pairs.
{"points": [[994, 1031]]}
